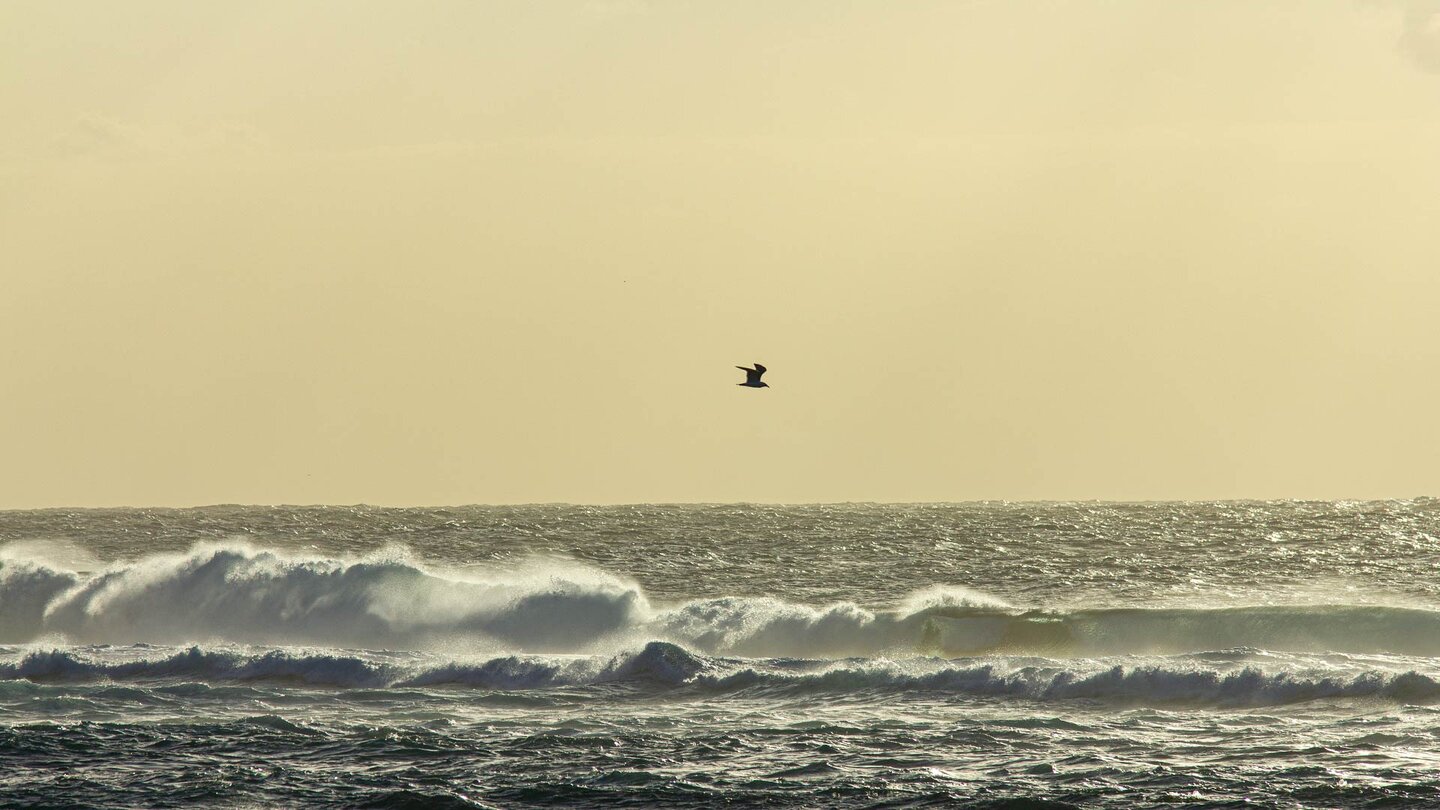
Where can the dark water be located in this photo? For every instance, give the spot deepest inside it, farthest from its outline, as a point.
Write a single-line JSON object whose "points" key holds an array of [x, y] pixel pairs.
{"points": [[996, 655]]}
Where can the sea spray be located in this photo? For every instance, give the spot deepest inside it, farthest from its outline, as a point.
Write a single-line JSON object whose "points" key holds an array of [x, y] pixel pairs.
{"points": [[244, 594]]}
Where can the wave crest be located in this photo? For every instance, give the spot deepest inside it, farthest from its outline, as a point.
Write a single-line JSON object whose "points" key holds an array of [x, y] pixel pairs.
{"points": [[664, 666], [236, 594]]}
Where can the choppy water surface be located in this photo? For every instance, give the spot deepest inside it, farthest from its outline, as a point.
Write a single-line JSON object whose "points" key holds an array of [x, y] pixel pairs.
{"points": [[996, 655]]}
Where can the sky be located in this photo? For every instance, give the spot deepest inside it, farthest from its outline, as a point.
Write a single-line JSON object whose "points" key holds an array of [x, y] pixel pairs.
{"points": [[506, 252]]}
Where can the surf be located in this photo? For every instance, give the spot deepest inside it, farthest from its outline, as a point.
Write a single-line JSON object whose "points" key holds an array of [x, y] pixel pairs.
{"points": [[238, 593], [665, 667]]}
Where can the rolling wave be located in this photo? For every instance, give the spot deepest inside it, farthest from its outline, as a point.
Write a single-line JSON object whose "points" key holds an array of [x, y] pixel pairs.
{"points": [[656, 662], [664, 666], [234, 593]]}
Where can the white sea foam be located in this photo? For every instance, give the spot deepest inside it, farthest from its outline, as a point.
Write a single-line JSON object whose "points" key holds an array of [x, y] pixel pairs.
{"points": [[664, 666], [240, 594], [234, 592]]}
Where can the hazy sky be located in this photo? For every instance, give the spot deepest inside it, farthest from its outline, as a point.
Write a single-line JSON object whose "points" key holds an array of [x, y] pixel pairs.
{"points": [[461, 252]]}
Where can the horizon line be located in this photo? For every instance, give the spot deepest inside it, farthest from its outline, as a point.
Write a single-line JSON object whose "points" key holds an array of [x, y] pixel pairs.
{"points": [[622, 504]]}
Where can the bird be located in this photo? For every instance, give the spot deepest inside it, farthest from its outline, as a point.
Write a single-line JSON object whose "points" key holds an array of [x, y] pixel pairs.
{"points": [[752, 376]]}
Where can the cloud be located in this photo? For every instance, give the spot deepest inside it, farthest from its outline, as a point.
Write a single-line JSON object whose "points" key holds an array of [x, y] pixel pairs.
{"points": [[100, 136], [617, 8], [1420, 38]]}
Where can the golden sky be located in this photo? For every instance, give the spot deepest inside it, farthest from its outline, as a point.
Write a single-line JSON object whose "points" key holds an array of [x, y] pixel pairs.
{"points": [[486, 252]]}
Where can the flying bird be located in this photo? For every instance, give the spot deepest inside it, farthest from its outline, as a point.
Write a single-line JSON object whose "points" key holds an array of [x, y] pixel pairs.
{"points": [[752, 376]]}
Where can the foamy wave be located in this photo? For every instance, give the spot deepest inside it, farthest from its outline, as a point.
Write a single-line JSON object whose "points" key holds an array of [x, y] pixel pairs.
{"points": [[1299, 628], [664, 666], [237, 594], [657, 662], [1145, 685]]}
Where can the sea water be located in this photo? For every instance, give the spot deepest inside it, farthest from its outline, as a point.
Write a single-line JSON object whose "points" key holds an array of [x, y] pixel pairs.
{"points": [[988, 655]]}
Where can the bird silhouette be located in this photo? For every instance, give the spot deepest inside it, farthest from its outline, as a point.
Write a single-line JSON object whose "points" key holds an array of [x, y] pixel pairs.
{"points": [[752, 376]]}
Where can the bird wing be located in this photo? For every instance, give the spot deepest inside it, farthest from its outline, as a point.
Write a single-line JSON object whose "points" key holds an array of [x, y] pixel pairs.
{"points": [[752, 375]]}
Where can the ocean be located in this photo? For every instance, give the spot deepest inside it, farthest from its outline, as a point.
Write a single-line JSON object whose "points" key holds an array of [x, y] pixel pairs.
{"points": [[987, 655]]}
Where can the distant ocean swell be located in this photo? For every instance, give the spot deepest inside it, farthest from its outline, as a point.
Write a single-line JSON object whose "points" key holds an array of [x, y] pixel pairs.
{"points": [[234, 593]]}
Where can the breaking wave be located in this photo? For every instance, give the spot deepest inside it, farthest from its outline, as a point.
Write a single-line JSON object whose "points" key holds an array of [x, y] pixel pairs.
{"points": [[656, 662], [664, 666], [235, 593]]}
